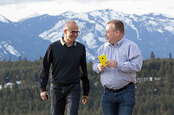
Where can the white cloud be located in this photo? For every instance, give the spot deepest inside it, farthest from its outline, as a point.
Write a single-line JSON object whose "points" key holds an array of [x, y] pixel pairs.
{"points": [[5, 2], [18, 11]]}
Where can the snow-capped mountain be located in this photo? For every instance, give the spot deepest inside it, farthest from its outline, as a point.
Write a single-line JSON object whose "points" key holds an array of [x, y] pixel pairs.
{"points": [[3, 19], [30, 37]]}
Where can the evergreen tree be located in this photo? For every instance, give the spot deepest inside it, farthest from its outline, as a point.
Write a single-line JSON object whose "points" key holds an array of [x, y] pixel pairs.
{"points": [[152, 55], [170, 56]]}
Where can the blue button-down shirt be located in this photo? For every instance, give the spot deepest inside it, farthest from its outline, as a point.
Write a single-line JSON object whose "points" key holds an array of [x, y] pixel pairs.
{"points": [[129, 59]]}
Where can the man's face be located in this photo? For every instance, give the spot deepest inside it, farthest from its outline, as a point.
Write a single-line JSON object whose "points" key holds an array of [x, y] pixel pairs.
{"points": [[72, 32], [111, 34]]}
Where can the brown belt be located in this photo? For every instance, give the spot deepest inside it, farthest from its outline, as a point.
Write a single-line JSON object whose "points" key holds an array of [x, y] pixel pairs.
{"points": [[121, 89]]}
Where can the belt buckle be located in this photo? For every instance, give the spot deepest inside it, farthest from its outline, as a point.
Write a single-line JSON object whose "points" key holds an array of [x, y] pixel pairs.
{"points": [[114, 90]]}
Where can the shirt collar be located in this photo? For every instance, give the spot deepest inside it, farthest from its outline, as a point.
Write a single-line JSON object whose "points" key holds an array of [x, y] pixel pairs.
{"points": [[63, 43], [121, 41]]}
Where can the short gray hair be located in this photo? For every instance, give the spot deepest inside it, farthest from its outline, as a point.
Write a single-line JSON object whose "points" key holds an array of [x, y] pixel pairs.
{"points": [[118, 25]]}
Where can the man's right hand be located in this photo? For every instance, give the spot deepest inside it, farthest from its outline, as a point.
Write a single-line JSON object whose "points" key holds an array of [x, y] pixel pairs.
{"points": [[43, 96], [101, 67]]}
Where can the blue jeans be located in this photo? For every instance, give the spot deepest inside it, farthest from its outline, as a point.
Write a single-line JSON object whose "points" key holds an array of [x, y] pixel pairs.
{"points": [[62, 96], [119, 103]]}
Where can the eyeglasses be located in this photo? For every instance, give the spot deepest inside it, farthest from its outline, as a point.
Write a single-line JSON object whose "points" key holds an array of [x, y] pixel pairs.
{"points": [[74, 32]]}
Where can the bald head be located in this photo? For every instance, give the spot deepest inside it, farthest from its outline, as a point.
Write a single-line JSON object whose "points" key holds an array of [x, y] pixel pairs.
{"points": [[71, 32], [69, 24]]}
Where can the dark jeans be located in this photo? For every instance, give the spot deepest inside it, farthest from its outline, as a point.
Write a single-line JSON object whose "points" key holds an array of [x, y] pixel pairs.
{"points": [[62, 96], [119, 103]]}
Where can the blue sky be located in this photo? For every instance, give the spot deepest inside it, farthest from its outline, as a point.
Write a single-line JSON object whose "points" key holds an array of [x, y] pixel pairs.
{"points": [[15, 10]]}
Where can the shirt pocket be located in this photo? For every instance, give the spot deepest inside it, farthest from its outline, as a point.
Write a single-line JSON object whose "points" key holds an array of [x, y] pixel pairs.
{"points": [[121, 58]]}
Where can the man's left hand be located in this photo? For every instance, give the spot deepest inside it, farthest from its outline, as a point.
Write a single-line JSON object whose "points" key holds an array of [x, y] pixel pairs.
{"points": [[111, 63], [84, 99]]}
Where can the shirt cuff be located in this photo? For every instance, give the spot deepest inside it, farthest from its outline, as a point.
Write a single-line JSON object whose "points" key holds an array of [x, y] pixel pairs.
{"points": [[97, 70], [119, 64], [42, 90]]}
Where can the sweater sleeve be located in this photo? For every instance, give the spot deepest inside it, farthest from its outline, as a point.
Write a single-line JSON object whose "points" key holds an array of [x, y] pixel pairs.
{"points": [[44, 74], [84, 75]]}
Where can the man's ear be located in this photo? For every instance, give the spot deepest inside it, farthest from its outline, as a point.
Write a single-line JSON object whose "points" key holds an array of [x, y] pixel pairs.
{"points": [[65, 31], [117, 32]]}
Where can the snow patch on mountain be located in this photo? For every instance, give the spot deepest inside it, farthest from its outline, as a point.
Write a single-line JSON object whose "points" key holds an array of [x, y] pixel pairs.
{"points": [[90, 41], [82, 16], [99, 28], [81, 25], [100, 14], [169, 25], [102, 39], [154, 26], [158, 24], [170, 29], [54, 33], [89, 55], [133, 17], [129, 23], [68, 14], [95, 13], [10, 49]]}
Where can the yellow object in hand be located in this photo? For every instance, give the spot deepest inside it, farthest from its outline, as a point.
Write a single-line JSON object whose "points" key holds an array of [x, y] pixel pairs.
{"points": [[103, 60]]}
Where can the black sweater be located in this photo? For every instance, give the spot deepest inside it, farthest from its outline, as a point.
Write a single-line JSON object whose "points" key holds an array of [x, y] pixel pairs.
{"points": [[66, 62]]}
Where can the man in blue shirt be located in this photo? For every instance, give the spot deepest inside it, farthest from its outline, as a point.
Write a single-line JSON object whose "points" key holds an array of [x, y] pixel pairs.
{"points": [[119, 76]]}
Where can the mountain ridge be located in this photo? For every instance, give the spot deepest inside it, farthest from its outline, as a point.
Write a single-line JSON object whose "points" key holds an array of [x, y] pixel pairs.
{"points": [[29, 38]]}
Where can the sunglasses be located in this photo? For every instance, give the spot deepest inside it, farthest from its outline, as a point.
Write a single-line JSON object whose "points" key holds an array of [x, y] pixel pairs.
{"points": [[74, 32]]}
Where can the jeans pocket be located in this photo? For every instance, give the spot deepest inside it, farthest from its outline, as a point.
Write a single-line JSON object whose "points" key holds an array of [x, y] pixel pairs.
{"points": [[52, 87], [107, 92], [129, 96]]}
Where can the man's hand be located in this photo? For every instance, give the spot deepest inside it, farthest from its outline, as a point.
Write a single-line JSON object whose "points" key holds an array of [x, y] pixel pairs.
{"points": [[44, 95], [111, 63], [84, 99], [101, 67]]}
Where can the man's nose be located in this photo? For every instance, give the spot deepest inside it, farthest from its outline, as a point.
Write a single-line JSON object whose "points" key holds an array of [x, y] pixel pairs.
{"points": [[75, 34], [105, 34]]}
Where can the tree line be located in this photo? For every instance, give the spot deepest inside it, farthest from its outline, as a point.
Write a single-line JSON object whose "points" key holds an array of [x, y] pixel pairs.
{"points": [[154, 89]]}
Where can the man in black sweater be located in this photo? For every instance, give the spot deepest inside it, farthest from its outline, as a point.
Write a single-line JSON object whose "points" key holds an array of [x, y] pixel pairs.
{"points": [[67, 58]]}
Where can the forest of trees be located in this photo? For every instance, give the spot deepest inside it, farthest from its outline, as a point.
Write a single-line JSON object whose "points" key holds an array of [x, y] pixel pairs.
{"points": [[154, 89]]}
